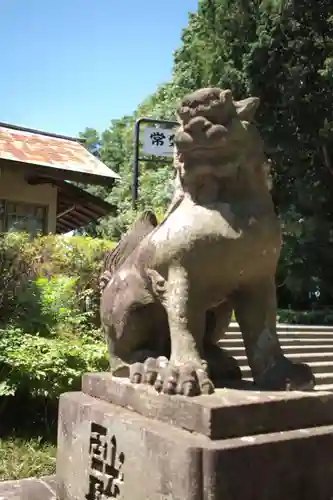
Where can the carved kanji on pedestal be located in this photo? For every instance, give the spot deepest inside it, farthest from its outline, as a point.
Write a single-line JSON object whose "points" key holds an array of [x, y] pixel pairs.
{"points": [[105, 477]]}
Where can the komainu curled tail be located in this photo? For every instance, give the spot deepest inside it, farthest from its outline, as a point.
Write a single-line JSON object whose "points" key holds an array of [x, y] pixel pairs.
{"points": [[143, 225]]}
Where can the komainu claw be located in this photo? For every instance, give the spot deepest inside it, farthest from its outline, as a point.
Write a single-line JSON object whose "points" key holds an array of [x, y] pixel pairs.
{"points": [[158, 383], [150, 371], [187, 380], [171, 376], [136, 373]]}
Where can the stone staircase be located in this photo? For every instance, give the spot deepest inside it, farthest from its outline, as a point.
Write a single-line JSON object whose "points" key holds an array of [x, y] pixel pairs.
{"points": [[310, 344]]}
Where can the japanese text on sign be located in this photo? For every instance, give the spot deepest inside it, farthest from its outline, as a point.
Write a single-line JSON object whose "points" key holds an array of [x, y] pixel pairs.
{"points": [[105, 477], [158, 141]]}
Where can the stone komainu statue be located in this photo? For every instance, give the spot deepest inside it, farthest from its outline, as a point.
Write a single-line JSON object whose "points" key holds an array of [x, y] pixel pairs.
{"points": [[168, 289]]}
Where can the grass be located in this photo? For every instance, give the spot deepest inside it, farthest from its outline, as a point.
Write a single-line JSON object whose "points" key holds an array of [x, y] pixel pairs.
{"points": [[22, 452], [27, 446], [21, 458]]}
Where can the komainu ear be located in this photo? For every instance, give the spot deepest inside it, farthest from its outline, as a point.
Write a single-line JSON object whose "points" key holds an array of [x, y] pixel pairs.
{"points": [[246, 109]]}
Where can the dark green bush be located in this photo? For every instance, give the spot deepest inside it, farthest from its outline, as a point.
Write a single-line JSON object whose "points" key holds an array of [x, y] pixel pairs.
{"points": [[313, 317], [16, 272], [41, 366], [48, 269], [49, 332]]}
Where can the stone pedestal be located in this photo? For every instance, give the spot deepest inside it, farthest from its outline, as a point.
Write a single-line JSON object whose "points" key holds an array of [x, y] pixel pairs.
{"points": [[117, 440]]}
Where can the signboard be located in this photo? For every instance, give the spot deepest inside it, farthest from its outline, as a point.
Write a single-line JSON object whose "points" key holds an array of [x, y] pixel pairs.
{"points": [[158, 141]]}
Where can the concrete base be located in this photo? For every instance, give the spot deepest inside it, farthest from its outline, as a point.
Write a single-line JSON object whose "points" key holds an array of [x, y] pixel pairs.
{"points": [[129, 443], [29, 489]]}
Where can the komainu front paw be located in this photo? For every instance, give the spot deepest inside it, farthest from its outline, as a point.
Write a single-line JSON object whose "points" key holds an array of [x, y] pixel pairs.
{"points": [[187, 379]]}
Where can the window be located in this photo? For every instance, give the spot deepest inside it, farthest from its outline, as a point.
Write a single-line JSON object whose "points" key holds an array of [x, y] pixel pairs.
{"points": [[22, 217]]}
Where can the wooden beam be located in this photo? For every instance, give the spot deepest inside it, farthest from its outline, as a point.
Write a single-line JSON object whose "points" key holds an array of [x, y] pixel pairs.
{"points": [[33, 171], [64, 212], [72, 192], [65, 224], [76, 217]]}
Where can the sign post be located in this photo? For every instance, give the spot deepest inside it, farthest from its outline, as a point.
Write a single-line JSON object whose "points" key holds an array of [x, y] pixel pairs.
{"points": [[157, 141]]}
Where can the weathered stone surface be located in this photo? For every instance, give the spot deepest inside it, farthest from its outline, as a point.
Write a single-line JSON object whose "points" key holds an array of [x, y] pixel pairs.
{"points": [[29, 489], [157, 461], [293, 465], [169, 289], [227, 413]]}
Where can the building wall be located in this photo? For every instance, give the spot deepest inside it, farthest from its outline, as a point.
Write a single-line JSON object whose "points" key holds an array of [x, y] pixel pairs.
{"points": [[14, 187]]}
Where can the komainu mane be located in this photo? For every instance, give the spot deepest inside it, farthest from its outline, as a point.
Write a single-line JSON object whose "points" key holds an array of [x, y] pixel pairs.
{"points": [[170, 288]]}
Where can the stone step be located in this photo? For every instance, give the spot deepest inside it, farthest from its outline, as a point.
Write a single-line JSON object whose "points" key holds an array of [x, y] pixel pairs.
{"points": [[308, 357], [290, 349], [299, 328], [291, 333], [234, 341], [313, 346], [324, 387], [324, 381], [319, 368], [324, 378], [288, 327]]}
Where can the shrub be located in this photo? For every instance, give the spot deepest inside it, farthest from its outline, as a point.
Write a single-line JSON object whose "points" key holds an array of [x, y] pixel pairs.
{"points": [[39, 366], [49, 299], [16, 272], [313, 317], [53, 306], [48, 279]]}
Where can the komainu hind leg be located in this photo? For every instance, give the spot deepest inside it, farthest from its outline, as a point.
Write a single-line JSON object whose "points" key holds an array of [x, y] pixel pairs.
{"points": [[134, 321], [255, 309]]}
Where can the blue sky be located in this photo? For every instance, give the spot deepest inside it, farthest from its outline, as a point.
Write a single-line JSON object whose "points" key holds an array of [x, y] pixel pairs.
{"points": [[68, 64]]}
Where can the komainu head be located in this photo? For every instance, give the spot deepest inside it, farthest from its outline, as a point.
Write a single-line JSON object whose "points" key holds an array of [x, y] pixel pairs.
{"points": [[215, 127]]}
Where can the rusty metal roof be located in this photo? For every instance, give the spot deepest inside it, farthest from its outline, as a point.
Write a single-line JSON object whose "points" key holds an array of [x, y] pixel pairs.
{"points": [[49, 150]]}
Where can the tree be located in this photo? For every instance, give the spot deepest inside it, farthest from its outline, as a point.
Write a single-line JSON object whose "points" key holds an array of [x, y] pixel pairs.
{"points": [[281, 51]]}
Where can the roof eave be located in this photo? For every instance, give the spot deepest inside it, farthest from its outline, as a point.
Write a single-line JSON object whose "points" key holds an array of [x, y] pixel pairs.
{"points": [[33, 170], [20, 128]]}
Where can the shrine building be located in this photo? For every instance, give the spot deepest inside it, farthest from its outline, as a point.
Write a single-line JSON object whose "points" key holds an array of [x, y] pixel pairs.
{"points": [[37, 171]]}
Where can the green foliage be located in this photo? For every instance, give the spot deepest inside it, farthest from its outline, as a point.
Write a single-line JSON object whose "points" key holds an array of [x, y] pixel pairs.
{"points": [[49, 313], [46, 366], [55, 305], [57, 298], [15, 272], [314, 317], [281, 51], [40, 275]]}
